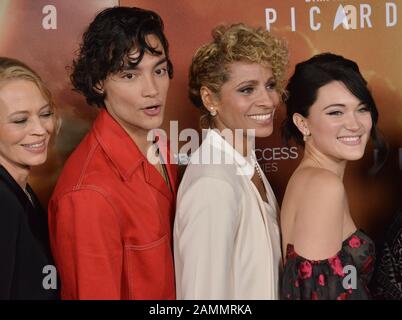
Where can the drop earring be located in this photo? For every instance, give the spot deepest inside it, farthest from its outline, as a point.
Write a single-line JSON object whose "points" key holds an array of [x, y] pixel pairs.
{"points": [[306, 135], [213, 112]]}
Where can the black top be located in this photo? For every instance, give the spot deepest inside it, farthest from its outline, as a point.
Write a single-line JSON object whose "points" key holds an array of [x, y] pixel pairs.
{"points": [[24, 244], [387, 282], [345, 276]]}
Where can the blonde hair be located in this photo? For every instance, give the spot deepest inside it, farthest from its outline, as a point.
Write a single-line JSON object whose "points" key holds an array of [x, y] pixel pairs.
{"points": [[236, 42], [12, 69]]}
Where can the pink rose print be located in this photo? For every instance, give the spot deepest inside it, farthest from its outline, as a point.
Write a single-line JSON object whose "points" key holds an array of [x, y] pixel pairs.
{"points": [[305, 270], [336, 266], [321, 280], [354, 242], [342, 296]]}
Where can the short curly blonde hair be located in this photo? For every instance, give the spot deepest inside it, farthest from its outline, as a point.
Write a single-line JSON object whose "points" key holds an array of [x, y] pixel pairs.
{"points": [[236, 42]]}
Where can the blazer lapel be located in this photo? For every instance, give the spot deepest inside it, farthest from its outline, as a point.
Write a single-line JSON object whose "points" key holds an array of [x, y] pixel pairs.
{"points": [[14, 187]]}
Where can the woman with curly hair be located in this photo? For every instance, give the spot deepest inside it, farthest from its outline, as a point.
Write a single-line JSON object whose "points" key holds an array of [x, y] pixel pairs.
{"points": [[226, 235]]}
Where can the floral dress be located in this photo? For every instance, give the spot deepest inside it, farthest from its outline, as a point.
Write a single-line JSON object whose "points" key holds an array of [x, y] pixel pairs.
{"points": [[345, 276]]}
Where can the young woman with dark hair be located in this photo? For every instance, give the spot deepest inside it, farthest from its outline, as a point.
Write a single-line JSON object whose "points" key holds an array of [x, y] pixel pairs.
{"points": [[330, 112]]}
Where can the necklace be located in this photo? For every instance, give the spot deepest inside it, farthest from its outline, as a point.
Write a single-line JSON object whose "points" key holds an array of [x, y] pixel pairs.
{"points": [[29, 196], [257, 168], [259, 173]]}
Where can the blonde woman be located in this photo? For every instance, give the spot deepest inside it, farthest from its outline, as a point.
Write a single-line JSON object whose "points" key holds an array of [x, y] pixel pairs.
{"points": [[226, 235], [331, 112], [26, 124]]}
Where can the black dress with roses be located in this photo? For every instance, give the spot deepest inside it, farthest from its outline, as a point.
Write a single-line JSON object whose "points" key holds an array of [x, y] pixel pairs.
{"points": [[345, 276]]}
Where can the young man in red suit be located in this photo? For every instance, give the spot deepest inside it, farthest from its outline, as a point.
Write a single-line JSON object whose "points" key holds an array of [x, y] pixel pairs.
{"points": [[112, 210]]}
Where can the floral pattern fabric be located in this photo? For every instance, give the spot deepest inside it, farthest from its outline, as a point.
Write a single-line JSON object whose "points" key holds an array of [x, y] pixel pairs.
{"points": [[345, 276]]}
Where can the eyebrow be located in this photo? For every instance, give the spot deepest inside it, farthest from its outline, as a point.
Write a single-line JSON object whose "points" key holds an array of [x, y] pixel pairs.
{"points": [[25, 111], [246, 82], [341, 105], [253, 82], [131, 67]]}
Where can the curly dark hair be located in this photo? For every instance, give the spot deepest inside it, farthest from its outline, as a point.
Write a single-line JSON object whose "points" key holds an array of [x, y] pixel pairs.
{"points": [[107, 44]]}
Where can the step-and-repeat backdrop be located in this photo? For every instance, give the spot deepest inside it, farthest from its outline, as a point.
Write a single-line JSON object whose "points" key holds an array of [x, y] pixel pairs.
{"points": [[46, 34]]}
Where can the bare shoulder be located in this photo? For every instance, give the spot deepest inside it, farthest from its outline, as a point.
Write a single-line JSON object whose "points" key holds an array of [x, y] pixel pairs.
{"points": [[319, 213], [316, 178]]}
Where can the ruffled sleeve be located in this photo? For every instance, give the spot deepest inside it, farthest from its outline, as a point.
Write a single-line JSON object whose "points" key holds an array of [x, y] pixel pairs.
{"points": [[327, 279]]}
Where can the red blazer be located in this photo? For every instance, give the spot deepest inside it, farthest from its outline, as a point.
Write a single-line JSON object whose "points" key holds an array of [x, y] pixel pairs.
{"points": [[110, 220]]}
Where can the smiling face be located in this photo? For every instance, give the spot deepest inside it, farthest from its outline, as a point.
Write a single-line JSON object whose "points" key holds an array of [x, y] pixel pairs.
{"points": [[248, 99], [136, 97], [26, 124], [339, 123]]}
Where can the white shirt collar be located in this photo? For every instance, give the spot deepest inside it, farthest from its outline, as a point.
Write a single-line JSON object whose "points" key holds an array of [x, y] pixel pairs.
{"points": [[245, 165]]}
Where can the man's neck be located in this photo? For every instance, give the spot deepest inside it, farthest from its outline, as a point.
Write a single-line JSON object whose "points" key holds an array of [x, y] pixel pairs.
{"points": [[138, 135], [140, 139]]}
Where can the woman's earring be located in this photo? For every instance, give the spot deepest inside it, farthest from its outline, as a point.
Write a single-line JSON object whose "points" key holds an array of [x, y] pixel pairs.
{"points": [[213, 112], [306, 135]]}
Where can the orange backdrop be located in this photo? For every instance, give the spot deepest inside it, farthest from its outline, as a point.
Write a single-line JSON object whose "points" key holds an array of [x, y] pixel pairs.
{"points": [[374, 45], [375, 42], [45, 34]]}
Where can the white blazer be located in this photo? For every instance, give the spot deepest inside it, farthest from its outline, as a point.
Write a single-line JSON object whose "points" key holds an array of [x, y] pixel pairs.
{"points": [[226, 238]]}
